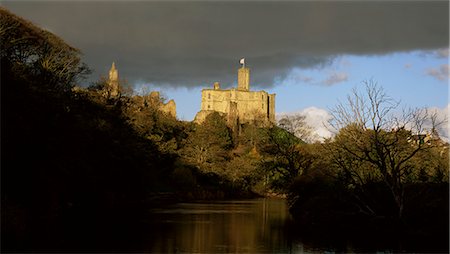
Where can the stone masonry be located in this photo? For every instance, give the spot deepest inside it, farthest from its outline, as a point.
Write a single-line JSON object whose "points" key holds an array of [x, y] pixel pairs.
{"points": [[113, 82], [240, 105]]}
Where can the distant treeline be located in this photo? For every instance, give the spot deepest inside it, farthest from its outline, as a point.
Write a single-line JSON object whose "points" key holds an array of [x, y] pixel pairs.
{"points": [[80, 167]]}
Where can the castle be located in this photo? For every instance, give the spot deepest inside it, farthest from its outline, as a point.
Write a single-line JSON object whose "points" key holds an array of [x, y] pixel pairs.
{"points": [[239, 104], [113, 90]]}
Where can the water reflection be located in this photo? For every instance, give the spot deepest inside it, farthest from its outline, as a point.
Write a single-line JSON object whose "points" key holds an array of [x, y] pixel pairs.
{"points": [[252, 226]]}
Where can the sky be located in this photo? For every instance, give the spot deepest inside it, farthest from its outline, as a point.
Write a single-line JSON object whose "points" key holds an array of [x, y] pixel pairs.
{"points": [[310, 53]]}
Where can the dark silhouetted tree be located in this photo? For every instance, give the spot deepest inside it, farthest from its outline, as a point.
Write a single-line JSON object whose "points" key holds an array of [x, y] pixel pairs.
{"points": [[372, 134]]}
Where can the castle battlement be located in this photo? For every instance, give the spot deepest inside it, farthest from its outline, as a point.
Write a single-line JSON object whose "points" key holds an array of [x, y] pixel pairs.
{"points": [[240, 104]]}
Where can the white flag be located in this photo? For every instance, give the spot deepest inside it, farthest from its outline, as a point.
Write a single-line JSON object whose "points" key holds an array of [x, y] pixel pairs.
{"points": [[242, 61]]}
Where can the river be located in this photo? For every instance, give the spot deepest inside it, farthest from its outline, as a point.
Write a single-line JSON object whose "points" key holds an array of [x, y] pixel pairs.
{"points": [[251, 226], [235, 226], [243, 226], [240, 226]]}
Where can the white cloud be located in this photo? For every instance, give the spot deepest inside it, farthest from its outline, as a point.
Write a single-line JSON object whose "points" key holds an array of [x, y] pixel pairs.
{"points": [[442, 117], [317, 120], [442, 53], [335, 77], [441, 73]]}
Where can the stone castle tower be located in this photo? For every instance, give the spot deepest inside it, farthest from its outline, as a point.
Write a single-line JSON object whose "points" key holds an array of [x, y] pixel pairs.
{"points": [[243, 79], [113, 81], [241, 105]]}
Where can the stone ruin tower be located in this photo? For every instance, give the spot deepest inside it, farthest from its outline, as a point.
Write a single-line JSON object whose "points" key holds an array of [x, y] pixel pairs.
{"points": [[239, 104], [153, 98], [113, 81]]}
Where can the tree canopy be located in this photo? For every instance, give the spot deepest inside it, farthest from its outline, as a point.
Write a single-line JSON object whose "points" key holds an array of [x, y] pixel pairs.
{"points": [[28, 49]]}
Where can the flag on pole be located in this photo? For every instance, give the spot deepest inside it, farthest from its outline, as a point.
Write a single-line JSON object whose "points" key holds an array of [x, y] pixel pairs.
{"points": [[242, 61]]}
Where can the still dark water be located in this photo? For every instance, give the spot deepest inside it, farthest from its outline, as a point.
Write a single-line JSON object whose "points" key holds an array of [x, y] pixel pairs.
{"points": [[249, 226], [252, 226], [236, 226]]}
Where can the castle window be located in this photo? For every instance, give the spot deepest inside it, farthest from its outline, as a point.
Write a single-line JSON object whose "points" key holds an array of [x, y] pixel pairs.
{"points": [[263, 105], [209, 106], [209, 96]]}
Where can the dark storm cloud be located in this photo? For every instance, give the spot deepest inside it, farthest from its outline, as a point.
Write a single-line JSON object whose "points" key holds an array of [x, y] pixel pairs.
{"points": [[197, 43]]}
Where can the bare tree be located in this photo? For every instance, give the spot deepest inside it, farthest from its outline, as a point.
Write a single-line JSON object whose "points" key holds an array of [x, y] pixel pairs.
{"points": [[296, 124], [372, 132], [26, 48]]}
